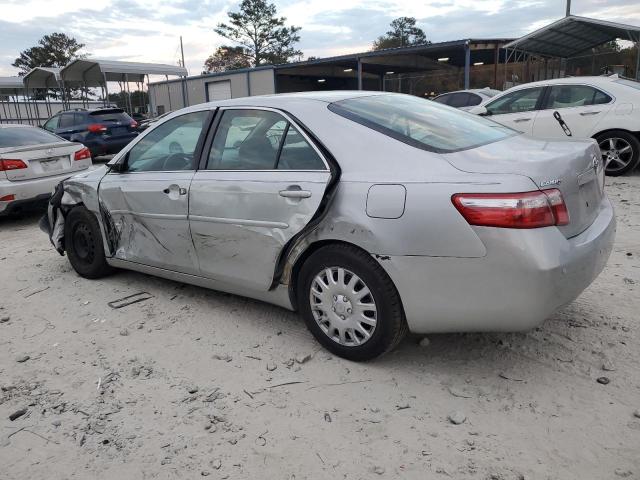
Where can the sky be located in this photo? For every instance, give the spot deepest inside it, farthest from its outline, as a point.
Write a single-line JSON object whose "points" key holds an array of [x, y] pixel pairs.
{"points": [[149, 30]]}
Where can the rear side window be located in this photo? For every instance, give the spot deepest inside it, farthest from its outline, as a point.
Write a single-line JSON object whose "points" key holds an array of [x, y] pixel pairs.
{"points": [[474, 100], [24, 136], [567, 96], [260, 140], [524, 100], [421, 123]]}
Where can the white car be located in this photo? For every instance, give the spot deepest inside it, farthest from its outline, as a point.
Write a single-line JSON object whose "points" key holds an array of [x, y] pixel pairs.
{"points": [[32, 162], [467, 99], [604, 108]]}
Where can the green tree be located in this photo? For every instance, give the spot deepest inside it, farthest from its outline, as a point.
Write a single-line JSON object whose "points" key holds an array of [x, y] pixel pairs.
{"points": [[262, 34], [53, 50], [403, 33], [139, 100], [226, 58]]}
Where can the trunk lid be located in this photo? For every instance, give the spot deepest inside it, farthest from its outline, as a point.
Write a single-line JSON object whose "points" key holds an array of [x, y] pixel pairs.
{"points": [[44, 160], [572, 166]]}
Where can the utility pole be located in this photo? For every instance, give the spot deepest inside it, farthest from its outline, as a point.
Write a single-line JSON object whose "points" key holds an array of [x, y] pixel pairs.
{"points": [[568, 7], [185, 92], [182, 49]]}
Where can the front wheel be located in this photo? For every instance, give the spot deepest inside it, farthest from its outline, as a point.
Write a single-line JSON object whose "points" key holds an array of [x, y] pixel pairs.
{"points": [[620, 152], [349, 303], [83, 243]]}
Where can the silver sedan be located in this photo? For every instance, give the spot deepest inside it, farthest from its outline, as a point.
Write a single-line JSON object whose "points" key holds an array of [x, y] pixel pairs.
{"points": [[369, 213]]}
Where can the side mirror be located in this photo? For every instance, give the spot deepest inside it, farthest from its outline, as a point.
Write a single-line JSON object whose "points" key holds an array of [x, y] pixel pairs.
{"points": [[117, 167], [481, 110]]}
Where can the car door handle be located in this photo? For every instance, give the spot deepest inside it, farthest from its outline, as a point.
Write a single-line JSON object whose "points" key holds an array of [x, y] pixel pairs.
{"points": [[181, 190], [584, 114], [520, 120], [294, 192]]}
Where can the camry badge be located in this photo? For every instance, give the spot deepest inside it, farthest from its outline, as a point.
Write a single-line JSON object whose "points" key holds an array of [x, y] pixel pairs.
{"points": [[546, 183]]}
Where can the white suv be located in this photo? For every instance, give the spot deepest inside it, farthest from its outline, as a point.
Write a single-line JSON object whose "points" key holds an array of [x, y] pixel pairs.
{"points": [[604, 108]]}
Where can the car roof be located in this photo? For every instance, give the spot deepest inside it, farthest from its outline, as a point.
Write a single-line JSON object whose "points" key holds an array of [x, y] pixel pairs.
{"points": [[481, 91], [593, 80], [329, 96]]}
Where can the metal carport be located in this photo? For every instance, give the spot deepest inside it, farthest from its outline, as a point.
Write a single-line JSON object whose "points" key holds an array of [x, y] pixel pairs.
{"points": [[11, 86], [85, 73], [572, 35], [43, 78]]}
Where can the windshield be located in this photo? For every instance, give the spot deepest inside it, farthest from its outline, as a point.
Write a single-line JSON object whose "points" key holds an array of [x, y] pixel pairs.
{"points": [[110, 116], [629, 83], [421, 123], [23, 136]]}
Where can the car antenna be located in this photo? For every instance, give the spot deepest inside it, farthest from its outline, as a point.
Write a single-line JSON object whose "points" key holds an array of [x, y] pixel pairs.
{"points": [[562, 123]]}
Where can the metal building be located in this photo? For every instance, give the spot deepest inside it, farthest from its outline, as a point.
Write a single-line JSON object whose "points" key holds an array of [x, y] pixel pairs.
{"points": [[419, 70]]}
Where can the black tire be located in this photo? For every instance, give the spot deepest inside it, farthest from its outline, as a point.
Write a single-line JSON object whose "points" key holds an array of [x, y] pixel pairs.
{"points": [[617, 139], [390, 326], [83, 243]]}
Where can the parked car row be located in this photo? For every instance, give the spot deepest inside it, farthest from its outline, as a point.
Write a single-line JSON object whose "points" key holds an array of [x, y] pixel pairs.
{"points": [[369, 213], [606, 108]]}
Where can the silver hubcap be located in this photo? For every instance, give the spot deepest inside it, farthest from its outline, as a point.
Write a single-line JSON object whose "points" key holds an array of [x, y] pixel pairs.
{"points": [[343, 306], [617, 153]]}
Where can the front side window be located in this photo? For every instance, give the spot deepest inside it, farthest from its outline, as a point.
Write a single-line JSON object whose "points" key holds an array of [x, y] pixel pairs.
{"points": [[421, 123], [260, 140], [567, 96], [524, 100], [66, 120], [170, 146]]}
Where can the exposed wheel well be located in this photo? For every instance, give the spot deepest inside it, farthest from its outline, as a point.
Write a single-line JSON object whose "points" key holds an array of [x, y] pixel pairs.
{"points": [[314, 247]]}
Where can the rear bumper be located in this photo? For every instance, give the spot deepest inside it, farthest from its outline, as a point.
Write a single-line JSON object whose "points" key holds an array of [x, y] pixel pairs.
{"points": [[29, 193], [525, 277]]}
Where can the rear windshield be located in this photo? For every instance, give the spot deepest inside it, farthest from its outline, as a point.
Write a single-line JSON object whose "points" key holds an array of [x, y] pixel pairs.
{"points": [[629, 83], [421, 123], [110, 116], [23, 136]]}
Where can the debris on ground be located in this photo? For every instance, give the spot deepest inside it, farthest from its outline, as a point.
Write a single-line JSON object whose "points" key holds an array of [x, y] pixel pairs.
{"points": [[130, 300], [457, 417]]}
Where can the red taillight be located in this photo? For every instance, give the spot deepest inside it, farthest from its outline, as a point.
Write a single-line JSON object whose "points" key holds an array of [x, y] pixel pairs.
{"points": [[513, 210], [82, 154], [134, 124], [8, 198], [7, 164], [97, 128]]}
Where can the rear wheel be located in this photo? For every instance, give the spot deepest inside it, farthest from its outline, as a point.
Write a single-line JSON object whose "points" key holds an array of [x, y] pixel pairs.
{"points": [[83, 243], [349, 303], [620, 151]]}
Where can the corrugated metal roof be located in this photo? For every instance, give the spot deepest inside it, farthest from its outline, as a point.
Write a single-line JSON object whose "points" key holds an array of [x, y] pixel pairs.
{"points": [[572, 35], [93, 71], [8, 85], [42, 77]]}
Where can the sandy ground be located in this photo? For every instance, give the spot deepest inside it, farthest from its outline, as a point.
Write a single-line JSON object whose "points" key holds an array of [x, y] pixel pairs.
{"points": [[196, 383]]}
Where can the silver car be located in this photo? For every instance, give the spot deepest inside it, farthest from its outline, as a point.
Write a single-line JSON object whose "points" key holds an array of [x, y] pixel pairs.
{"points": [[32, 162], [369, 213]]}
